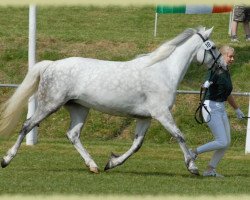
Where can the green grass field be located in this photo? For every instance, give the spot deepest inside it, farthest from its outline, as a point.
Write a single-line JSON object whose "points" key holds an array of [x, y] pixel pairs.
{"points": [[117, 33], [54, 167]]}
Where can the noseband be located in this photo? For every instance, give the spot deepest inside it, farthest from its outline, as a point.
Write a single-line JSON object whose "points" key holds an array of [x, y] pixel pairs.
{"points": [[209, 48]]}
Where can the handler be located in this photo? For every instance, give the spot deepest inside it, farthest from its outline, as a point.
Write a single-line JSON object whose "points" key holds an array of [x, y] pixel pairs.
{"points": [[219, 88]]}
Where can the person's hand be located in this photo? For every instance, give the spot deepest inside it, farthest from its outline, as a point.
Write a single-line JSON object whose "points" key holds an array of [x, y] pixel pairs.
{"points": [[239, 113], [207, 84]]}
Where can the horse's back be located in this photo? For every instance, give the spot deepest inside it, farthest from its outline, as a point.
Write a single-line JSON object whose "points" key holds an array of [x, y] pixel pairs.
{"points": [[111, 87]]}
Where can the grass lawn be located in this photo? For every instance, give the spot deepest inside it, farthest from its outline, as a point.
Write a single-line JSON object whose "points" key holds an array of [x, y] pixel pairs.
{"points": [[54, 167]]}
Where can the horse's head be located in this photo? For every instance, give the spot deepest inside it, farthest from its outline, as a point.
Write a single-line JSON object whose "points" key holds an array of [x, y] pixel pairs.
{"points": [[208, 54]]}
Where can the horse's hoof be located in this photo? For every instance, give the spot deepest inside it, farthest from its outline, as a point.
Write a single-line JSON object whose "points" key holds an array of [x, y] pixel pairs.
{"points": [[108, 166], [94, 170], [195, 172], [4, 164], [192, 167]]}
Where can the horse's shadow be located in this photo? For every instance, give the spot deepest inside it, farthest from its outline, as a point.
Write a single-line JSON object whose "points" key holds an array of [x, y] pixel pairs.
{"points": [[124, 172]]}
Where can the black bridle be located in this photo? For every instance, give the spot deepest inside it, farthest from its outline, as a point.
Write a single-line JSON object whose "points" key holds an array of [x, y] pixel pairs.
{"points": [[208, 45], [198, 113]]}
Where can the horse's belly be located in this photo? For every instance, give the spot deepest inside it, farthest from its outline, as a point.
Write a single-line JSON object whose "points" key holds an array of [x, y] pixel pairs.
{"points": [[119, 107]]}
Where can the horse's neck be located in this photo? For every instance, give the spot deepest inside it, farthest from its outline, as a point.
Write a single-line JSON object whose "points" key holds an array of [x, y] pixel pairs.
{"points": [[176, 65]]}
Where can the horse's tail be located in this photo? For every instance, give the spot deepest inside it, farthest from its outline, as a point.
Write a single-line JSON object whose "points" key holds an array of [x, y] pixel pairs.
{"points": [[12, 109]]}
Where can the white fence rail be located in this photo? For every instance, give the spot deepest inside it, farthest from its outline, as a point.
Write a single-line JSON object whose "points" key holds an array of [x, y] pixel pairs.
{"points": [[198, 92], [9, 85]]}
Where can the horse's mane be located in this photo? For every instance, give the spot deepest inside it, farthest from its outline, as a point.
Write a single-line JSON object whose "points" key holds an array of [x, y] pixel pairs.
{"points": [[166, 49]]}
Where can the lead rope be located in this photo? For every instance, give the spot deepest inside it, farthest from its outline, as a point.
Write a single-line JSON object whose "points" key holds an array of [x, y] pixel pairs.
{"points": [[198, 113]]}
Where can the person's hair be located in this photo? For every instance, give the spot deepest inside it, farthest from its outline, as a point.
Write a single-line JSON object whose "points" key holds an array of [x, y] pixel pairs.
{"points": [[224, 49]]}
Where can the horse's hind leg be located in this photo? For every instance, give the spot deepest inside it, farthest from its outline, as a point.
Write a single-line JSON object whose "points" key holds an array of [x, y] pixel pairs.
{"points": [[142, 126], [78, 115], [167, 121], [28, 125]]}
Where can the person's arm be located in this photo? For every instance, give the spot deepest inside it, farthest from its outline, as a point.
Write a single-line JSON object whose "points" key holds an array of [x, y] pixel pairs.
{"points": [[232, 103]]}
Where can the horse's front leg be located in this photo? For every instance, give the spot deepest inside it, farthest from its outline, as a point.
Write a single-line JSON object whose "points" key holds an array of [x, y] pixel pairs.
{"points": [[142, 126], [166, 119]]}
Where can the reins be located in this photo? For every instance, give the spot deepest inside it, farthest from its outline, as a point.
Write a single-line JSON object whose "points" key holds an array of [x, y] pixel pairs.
{"points": [[198, 113]]}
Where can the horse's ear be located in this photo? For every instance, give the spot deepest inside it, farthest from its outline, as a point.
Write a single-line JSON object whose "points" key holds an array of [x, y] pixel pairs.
{"points": [[208, 32]]}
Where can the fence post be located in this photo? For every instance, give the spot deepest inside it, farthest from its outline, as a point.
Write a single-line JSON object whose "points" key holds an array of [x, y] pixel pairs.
{"points": [[230, 23], [31, 137], [156, 21], [247, 148]]}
